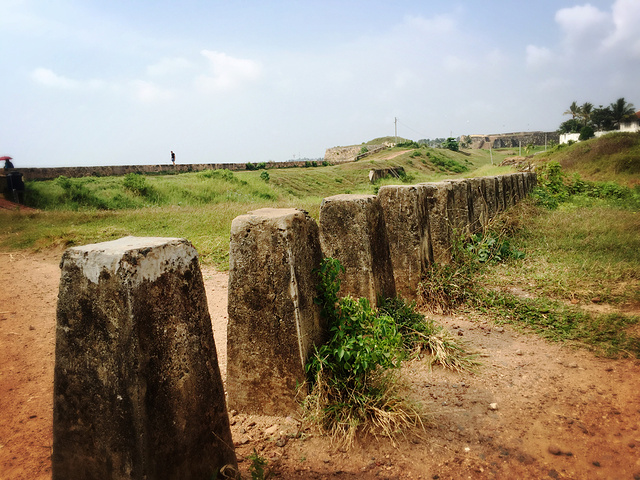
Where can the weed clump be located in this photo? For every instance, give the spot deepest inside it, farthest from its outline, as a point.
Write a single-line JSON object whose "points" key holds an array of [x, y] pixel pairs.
{"points": [[355, 385], [555, 187]]}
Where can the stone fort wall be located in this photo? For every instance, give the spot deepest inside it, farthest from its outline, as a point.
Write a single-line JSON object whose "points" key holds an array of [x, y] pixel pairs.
{"points": [[119, 170]]}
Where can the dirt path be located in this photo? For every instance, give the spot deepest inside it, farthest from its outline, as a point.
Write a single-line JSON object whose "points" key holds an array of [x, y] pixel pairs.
{"points": [[559, 413]]}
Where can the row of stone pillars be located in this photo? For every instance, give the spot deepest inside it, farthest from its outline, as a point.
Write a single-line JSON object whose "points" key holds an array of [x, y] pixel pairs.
{"points": [[137, 388]]}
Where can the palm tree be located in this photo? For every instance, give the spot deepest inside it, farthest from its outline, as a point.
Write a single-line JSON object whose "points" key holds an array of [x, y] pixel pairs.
{"points": [[621, 110], [585, 112], [574, 110]]}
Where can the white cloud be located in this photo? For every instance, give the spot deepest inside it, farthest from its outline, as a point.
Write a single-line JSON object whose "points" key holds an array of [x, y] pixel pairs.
{"points": [[538, 57], [227, 73], [48, 78], [626, 19], [583, 23], [455, 64], [168, 66], [148, 92], [439, 24]]}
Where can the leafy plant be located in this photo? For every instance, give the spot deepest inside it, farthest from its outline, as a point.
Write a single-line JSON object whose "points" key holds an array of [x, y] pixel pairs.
{"points": [[78, 195], [451, 144], [137, 184], [258, 468], [354, 385], [489, 247], [264, 176]]}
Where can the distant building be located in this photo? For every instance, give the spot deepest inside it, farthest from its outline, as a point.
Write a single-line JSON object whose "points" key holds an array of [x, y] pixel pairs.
{"points": [[512, 140], [632, 126]]}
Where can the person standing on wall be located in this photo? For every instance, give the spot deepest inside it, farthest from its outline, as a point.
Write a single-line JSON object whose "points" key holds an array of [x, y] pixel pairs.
{"points": [[173, 157]]}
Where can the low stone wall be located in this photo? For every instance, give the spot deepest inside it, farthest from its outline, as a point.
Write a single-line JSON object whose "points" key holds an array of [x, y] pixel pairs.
{"points": [[513, 140], [386, 244], [137, 389], [351, 153], [120, 170]]}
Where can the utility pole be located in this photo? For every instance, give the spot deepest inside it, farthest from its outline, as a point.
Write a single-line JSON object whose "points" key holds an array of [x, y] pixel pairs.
{"points": [[395, 121]]}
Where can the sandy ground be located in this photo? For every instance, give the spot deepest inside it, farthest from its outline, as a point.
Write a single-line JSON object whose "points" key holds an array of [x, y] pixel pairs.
{"points": [[557, 413]]}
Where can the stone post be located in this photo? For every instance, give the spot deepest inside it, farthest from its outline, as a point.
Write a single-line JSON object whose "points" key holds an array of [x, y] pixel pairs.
{"points": [[521, 187], [460, 206], [439, 198], [490, 185], [507, 185], [137, 388], [273, 320], [405, 215], [515, 188], [479, 211], [352, 230]]}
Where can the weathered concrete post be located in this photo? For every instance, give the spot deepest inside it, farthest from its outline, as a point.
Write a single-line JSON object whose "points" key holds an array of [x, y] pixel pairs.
{"points": [[460, 206], [137, 389], [515, 189], [439, 198], [490, 185], [273, 320], [405, 215], [507, 184], [479, 211], [352, 230], [522, 193]]}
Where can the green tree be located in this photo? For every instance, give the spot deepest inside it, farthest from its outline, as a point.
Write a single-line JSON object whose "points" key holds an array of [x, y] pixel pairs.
{"points": [[621, 111], [602, 118], [574, 110], [451, 144], [572, 125], [586, 133], [586, 109]]}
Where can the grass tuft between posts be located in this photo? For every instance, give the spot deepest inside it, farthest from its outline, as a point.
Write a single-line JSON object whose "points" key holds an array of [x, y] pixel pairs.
{"points": [[354, 377]]}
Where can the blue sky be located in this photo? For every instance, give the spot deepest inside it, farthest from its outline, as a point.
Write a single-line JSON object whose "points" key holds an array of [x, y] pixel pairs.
{"points": [[87, 82]]}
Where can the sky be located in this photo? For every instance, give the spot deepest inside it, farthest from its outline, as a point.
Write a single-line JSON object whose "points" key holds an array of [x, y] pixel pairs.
{"points": [[116, 82]]}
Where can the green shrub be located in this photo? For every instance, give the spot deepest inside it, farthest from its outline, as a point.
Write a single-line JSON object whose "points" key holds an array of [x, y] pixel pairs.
{"points": [[223, 174], [451, 144], [554, 188], [353, 383], [489, 247], [447, 164], [137, 184], [264, 176], [78, 195], [586, 133], [353, 376]]}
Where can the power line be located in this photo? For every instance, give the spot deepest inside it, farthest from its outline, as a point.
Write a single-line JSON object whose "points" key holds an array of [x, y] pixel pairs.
{"points": [[413, 130]]}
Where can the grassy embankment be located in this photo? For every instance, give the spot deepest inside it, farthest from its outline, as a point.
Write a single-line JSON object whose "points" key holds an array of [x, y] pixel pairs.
{"points": [[585, 252], [200, 206]]}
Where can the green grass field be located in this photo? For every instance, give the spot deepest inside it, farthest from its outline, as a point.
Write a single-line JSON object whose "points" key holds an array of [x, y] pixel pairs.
{"points": [[587, 248]]}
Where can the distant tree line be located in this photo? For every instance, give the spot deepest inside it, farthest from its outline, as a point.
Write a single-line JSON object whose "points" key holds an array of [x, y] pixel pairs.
{"points": [[585, 119]]}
